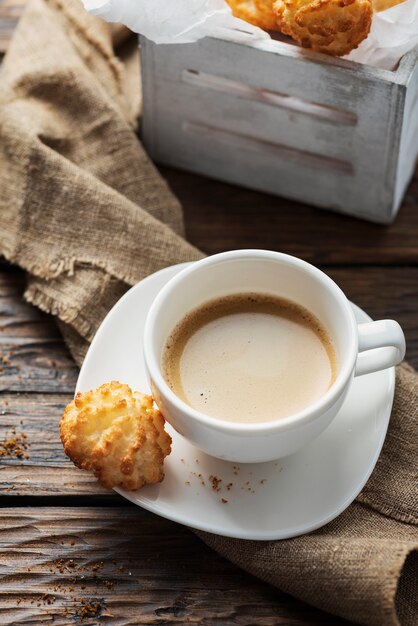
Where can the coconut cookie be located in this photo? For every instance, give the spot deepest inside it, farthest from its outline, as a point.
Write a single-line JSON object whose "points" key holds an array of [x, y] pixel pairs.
{"points": [[118, 434]]}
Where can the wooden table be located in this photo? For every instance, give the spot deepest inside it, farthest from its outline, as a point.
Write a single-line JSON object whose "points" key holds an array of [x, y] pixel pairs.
{"points": [[73, 553]]}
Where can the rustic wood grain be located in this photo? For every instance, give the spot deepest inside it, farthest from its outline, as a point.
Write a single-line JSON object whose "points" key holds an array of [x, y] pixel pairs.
{"points": [[224, 217], [47, 471], [392, 292], [37, 360], [139, 568], [221, 108], [32, 354]]}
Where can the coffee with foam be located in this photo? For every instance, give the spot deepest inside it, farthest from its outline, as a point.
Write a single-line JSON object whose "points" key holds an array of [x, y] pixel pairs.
{"points": [[249, 358]]}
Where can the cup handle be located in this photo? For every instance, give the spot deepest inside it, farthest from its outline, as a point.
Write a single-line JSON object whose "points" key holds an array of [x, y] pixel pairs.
{"points": [[381, 345]]}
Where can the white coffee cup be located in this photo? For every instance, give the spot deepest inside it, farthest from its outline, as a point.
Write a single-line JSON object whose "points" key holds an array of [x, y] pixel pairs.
{"points": [[360, 349]]}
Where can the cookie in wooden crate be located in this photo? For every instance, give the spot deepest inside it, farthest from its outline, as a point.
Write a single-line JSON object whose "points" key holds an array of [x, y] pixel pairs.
{"points": [[331, 26], [256, 12]]}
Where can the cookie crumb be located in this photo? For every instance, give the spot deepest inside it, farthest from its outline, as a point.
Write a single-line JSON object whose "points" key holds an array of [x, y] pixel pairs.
{"points": [[15, 446], [215, 482]]}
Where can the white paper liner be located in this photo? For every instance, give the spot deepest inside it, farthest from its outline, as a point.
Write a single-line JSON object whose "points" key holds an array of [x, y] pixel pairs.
{"points": [[173, 21], [394, 31]]}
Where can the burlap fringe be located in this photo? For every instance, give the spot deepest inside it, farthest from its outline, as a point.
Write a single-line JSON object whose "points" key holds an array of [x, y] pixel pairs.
{"points": [[69, 315]]}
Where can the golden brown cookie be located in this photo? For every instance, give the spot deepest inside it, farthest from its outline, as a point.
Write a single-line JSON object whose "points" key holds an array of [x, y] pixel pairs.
{"points": [[257, 12], [332, 26], [118, 434], [265, 8], [382, 5]]}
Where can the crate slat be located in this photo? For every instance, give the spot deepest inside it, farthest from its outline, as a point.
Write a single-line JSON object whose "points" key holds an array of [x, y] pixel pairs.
{"points": [[269, 117]]}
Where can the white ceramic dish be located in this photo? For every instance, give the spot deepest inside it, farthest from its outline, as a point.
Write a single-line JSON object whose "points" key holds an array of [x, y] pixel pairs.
{"points": [[274, 500]]}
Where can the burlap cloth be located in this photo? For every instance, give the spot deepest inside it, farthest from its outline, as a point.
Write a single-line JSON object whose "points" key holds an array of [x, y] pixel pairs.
{"points": [[86, 214]]}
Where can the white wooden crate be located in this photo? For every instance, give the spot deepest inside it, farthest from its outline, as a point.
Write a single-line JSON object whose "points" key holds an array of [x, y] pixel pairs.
{"points": [[269, 116]]}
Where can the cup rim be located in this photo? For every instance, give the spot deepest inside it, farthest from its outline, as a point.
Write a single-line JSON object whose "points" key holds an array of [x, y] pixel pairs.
{"points": [[310, 412]]}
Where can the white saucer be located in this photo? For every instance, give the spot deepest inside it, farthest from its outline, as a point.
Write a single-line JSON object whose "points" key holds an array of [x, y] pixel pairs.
{"points": [[265, 501]]}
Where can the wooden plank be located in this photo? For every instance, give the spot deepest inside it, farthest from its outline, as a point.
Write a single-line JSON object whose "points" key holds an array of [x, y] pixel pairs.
{"points": [[392, 292], [32, 353], [40, 362], [47, 471], [409, 145], [131, 568], [229, 143], [389, 293], [139, 568], [268, 117], [223, 217]]}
